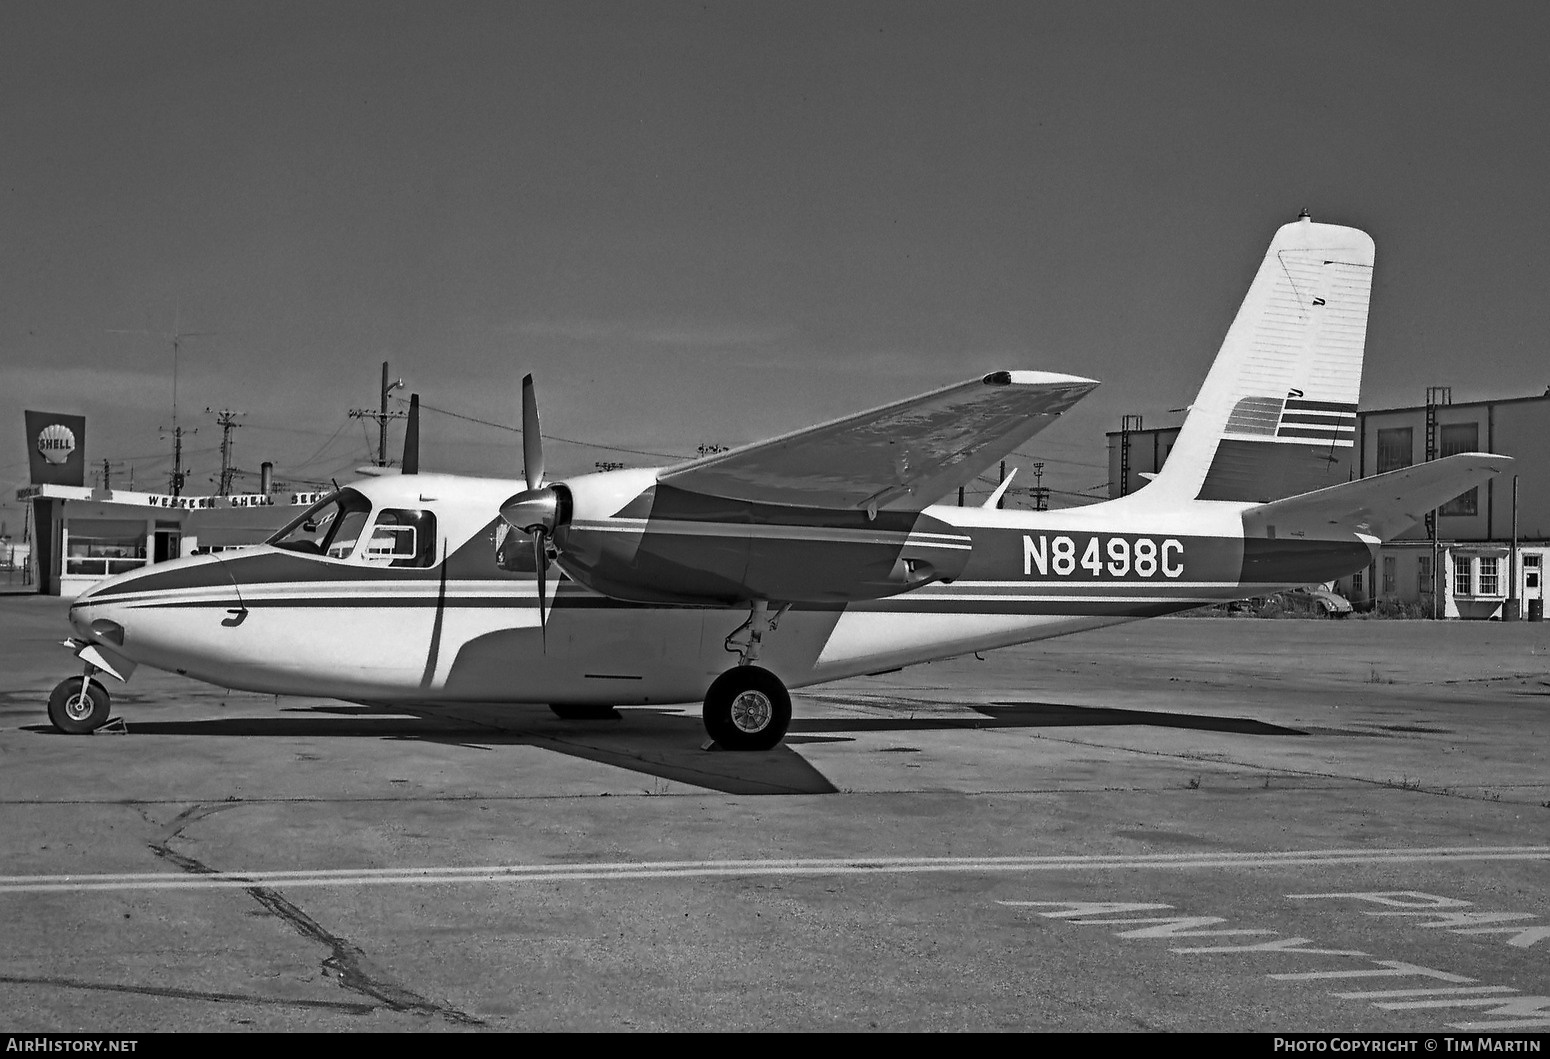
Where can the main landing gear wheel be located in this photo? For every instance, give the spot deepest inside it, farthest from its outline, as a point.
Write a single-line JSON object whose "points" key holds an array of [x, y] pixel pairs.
{"points": [[747, 708], [78, 706]]}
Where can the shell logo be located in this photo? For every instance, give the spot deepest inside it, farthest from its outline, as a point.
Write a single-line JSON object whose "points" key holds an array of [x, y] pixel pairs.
{"points": [[56, 442]]}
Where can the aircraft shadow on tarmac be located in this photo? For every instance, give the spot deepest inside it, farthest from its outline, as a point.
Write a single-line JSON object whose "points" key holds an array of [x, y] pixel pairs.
{"points": [[668, 744]]}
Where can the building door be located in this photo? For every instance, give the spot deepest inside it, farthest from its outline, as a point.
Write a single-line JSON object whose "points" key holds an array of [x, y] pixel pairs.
{"points": [[168, 543], [1533, 577]]}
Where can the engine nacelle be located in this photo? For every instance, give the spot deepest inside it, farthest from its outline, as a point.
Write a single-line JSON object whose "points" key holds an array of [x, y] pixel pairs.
{"points": [[671, 546]]}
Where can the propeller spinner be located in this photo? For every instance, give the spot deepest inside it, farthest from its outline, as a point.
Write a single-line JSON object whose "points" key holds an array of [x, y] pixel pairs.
{"points": [[536, 510]]}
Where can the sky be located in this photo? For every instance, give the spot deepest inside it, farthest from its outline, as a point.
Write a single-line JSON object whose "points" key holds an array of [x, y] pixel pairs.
{"points": [[708, 223]]}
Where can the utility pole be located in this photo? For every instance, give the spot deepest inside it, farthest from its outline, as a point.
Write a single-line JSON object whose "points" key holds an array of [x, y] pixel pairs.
{"points": [[1435, 396], [1511, 611], [1040, 494], [176, 479], [381, 415], [227, 420]]}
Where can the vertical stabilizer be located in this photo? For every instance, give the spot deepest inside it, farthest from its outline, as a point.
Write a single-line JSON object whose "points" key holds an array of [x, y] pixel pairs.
{"points": [[1277, 413]]}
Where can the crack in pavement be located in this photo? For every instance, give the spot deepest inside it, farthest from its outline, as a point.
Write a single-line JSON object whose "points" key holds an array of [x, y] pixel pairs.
{"points": [[192, 994], [346, 963]]}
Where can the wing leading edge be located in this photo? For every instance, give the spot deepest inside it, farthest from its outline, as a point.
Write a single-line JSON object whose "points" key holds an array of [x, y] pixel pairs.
{"points": [[900, 457]]}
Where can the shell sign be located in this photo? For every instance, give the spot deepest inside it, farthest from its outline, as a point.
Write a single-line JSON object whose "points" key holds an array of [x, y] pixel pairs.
{"points": [[57, 448], [56, 441]]}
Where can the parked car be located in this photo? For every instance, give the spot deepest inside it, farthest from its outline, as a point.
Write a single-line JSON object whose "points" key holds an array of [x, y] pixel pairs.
{"points": [[1326, 599]]}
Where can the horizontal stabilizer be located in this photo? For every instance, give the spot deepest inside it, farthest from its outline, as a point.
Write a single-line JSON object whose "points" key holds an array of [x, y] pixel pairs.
{"points": [[1382, 506]]}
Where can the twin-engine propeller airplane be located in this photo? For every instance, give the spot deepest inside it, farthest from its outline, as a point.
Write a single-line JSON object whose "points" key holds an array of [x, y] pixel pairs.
{"points": [[814, 556]]}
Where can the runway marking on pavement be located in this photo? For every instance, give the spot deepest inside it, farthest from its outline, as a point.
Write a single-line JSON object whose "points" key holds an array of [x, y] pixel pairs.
{"points": [[510, 873], [1503, 1008]]}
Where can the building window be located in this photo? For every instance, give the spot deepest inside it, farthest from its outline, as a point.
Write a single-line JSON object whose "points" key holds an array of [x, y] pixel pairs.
{"points": [[1423, 576], [1388, 575], [1456, 438], [1462, 569], [102, 546], [1356, 583], [1396, 448], [1488, 583]]}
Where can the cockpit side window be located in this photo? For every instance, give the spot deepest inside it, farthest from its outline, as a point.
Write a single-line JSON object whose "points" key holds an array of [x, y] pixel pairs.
{"points": [[330, 527], [402, 537]]}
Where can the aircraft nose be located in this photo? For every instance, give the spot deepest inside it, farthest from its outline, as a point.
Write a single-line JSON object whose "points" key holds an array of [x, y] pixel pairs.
{"points": [[92, 618], [97, 613]]}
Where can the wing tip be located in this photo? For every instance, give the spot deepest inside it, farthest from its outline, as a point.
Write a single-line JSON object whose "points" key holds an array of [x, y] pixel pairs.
{"points": [[1035, 378]]}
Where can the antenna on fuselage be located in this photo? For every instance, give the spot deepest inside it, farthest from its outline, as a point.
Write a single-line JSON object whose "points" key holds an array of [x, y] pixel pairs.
{"points": [[411, 464]]}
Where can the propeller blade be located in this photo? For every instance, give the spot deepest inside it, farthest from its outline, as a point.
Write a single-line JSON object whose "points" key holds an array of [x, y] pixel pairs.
{"points": [[541, 561], [411, 464], [532, 442]]}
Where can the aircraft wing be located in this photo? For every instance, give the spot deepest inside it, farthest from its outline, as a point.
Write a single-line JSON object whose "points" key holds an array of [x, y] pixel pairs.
{"points": [[1381, 506], [900, 457]]}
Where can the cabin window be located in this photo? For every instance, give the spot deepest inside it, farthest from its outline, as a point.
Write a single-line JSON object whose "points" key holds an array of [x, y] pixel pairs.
{"points": [[330, 527], [402, 537]]}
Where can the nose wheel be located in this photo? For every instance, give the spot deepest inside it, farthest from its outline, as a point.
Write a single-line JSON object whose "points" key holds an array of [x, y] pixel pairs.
{"points": [[747, 708], [78, 705]]}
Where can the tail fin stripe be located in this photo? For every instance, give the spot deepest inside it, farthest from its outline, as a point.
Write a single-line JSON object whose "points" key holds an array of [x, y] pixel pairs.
{"points": [[1298, 404]]}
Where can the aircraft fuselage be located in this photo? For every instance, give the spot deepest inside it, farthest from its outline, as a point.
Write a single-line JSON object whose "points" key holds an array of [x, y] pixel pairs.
{"points": [[467, 629]]}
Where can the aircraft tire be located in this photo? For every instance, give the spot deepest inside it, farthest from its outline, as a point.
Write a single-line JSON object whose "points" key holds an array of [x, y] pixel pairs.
{"points": [[569, 711], [74, 712], [747, 708]]}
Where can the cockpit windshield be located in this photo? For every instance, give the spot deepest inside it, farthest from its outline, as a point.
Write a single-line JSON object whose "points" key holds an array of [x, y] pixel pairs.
{"points": [[336, 525], [330, 527]]}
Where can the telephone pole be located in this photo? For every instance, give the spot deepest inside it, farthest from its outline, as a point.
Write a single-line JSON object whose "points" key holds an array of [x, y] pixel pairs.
{"points": [[227, 420], [381, 415], [177, 477]]}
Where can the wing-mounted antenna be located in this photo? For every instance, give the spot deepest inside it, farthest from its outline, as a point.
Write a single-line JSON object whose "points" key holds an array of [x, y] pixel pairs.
{"points": [[411, 464]]}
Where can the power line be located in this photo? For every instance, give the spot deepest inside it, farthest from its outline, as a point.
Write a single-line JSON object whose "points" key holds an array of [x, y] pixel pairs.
{"points": [[548, 437]]}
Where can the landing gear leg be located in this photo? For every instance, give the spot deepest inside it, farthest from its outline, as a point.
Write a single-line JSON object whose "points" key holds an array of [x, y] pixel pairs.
{"points": [[79, 705], [747, 707]]}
